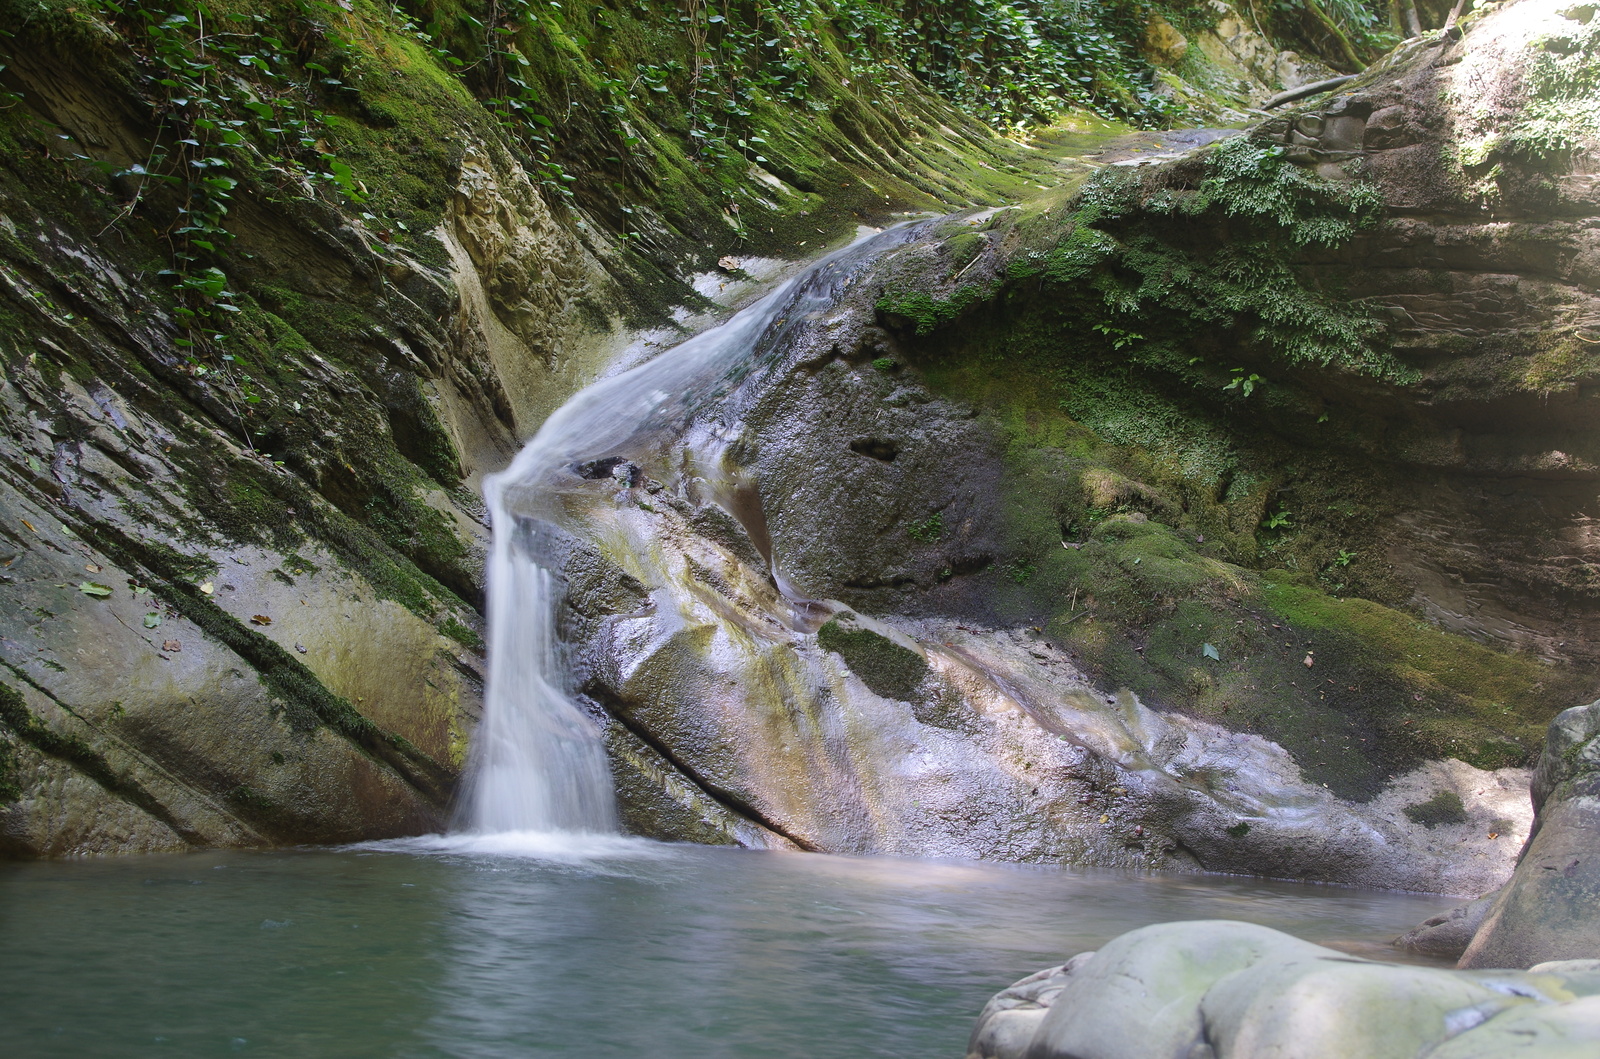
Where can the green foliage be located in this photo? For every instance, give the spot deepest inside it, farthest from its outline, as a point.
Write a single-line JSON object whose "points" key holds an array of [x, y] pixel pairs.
{"points": [[1562, 112], [1245, 384], [230, 97], [929, 529], [1010, 61], [1345, 33], [1255, 181], [1126, 263]]}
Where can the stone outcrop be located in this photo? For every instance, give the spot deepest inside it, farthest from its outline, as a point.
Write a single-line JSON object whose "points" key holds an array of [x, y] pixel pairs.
{"points": [[879, 608], [1548, 911], [1225, 990], [903, 464], [1447, 935], [241, 542], [932, 734]]}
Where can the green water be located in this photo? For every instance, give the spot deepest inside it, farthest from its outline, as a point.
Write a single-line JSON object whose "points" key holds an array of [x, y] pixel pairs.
{"points": [[596, 949]]}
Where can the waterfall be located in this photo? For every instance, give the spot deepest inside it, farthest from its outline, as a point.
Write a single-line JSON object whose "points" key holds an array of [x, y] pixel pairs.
{"points": [[538, 763]]}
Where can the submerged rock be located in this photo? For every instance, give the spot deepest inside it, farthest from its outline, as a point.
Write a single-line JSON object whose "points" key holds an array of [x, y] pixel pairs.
{"points": [[1226, 990], [1447, 934]]}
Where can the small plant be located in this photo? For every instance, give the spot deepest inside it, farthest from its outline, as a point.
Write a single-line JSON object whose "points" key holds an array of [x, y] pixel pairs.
{"points": [[1245, 384], [929, 529], [883, 363], [1279, 519], [1345, 558], [1120, 338]]}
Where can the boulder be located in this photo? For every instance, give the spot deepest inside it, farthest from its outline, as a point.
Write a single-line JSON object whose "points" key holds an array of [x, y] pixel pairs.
{"points": [[1447, 934], [1549, 909], [1226, 990]]}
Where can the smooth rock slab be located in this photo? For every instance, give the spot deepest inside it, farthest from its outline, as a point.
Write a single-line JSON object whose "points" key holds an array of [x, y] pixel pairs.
{"points": [[1225, 990]]}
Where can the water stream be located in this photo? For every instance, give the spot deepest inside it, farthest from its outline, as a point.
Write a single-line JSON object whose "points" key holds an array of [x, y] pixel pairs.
{"points": [[538, 764]]}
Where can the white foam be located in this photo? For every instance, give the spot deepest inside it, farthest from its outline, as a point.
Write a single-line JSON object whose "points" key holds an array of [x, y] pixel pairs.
{"points": [[582, 848]]}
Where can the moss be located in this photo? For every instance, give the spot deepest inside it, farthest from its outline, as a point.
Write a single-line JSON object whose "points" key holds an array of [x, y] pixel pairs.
{"points": [[28, 728], [10, 779], [1559, 115], [929, 529], [1443, 809], [924, 312], [1158, 501], [883, 665], [461, 634], [1560, 364]]}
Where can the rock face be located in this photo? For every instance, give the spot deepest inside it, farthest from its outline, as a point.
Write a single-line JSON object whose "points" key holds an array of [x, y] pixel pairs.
{"points": [[1548, 910], [893, 601], [922, 590], [240, 582], [257, 361], [1224, 990], [936, 734]]}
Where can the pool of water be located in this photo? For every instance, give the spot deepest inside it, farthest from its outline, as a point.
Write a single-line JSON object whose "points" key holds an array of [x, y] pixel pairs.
{"points": [[598, 948]]}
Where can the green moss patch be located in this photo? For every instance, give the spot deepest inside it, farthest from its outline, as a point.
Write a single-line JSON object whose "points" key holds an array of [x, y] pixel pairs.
{"points": [[1441, 810], [884, 666]]}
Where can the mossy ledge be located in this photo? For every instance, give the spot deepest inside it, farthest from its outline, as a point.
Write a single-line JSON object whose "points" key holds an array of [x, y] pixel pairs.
{"points": [[890, 670]]}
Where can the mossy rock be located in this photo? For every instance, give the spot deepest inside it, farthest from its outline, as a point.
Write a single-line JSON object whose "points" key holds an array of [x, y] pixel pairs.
{"points": [[890, 670]]}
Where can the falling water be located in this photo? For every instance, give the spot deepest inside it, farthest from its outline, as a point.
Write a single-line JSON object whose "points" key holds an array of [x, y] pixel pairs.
{"points": [[538, 761]]}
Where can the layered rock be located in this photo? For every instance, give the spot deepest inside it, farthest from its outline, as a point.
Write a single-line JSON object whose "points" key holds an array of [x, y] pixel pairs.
{"points": [[979, 458], [262, 337]]}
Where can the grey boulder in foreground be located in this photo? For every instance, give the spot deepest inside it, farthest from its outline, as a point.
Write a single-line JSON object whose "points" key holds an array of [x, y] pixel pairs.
{"points": [[1224, 990], [1551, 908]]}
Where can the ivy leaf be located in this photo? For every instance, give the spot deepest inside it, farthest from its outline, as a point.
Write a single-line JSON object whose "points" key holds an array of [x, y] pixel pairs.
{"points": [[95, 589], [1210, 651], [152, 620]]}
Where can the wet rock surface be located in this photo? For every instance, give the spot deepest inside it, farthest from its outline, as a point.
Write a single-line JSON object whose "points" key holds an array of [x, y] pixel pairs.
{"points": [[1548, 909], [856, 498], [1237, 991]]}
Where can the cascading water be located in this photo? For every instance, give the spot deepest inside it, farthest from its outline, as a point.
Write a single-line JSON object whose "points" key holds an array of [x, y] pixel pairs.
{"points": [[538, 762]]}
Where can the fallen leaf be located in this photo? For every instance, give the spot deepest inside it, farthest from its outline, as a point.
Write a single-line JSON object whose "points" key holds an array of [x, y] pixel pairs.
{"points": [[260, 619], [1211, 652], [206, 587], [171, 645], [91, 567], [95, 589], [1105, 819], [728, 263], [28, 524], [1494, 834], [1309, 663], [152, 620]]}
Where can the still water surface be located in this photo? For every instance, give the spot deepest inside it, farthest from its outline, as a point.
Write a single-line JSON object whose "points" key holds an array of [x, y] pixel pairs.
{"points": [[599, 948]]}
